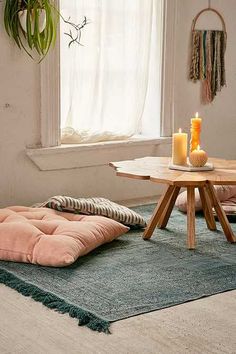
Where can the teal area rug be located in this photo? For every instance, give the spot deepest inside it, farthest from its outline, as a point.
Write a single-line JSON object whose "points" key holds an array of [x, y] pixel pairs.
{"points": [[131, 276]]}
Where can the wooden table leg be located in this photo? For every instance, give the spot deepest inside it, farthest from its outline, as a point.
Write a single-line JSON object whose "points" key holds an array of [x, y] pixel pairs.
{"points": [[167, 212], [191, 217], [221, 214], [207, 208], [164, 200]]}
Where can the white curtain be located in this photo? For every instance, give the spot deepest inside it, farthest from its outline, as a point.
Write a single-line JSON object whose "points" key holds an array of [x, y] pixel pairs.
{"points": [[110, 86]]}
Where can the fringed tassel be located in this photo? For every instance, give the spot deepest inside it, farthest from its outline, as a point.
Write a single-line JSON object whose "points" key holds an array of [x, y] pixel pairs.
{"points": [[218, 63], [206, 90], [202, 55], [208, 62], [53, 302], [223, 42], [194, 67]]}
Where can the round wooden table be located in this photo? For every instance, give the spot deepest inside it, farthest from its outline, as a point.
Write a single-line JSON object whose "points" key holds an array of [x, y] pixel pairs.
{"points": [[156, 170]]}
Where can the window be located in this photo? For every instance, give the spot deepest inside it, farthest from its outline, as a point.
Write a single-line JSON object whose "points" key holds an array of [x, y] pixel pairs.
{"points": [[110, 88]]}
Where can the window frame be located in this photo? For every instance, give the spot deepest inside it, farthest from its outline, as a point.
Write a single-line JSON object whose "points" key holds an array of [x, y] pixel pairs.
{"points": [[50, 82]]}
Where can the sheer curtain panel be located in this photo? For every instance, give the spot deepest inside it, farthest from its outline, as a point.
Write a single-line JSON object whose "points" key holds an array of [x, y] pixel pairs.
{"points": [[110, 86]]}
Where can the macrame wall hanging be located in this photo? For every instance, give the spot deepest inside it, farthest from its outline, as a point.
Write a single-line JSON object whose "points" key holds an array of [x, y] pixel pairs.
{"points": [[208, 57]]}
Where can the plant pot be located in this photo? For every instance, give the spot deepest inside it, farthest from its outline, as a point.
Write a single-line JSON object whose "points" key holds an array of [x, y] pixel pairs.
{"points": [[22, 15]]}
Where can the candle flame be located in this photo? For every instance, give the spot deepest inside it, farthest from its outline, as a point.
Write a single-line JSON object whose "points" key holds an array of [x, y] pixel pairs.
{"points": [[198, 148], [196, 115], [180, 130]]}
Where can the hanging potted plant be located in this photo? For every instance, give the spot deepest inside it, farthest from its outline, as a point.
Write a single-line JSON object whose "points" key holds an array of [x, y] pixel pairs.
{"points": [[41, 18], [33, 25]]}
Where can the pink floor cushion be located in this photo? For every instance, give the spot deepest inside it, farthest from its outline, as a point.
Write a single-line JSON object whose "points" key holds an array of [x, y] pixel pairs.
{"points": [[52, 238], [226, 195]]}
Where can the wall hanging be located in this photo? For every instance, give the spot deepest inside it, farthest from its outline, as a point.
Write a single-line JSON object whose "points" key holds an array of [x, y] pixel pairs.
{"points": [[33, 25], [208, 57]]}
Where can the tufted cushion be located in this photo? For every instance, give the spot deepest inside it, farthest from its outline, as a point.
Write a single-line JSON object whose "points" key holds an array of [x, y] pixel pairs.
{"points": [[226, 195], [51, 238], [96, 206]]}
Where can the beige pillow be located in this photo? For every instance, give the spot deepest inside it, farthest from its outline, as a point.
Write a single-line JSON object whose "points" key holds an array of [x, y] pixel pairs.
{"points": [[224, 193]]}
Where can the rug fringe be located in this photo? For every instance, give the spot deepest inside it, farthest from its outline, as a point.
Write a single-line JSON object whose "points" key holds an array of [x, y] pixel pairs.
{"points": [[53, 302]]}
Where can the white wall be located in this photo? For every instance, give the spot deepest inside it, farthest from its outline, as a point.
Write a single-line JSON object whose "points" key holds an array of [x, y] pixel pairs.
{"points": [[219, 118], [20, 180]]}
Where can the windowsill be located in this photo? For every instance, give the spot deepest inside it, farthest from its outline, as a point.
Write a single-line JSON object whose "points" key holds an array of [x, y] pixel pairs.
{"points": [[68, 156]]}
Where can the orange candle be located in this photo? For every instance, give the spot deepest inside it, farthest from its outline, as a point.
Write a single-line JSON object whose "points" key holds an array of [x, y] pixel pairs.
{"points": [[195, 132]]}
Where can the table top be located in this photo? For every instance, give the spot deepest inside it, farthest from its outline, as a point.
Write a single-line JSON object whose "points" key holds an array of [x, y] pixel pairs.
{"points": [[156, 170]]}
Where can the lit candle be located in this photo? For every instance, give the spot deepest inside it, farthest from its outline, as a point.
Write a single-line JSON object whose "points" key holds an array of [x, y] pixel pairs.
{"points": [[198, 157], [195, 132], [179, 148]]}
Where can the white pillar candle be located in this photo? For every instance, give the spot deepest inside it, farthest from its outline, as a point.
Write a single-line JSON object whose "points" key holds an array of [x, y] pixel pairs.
{"points": [[179, 148]]}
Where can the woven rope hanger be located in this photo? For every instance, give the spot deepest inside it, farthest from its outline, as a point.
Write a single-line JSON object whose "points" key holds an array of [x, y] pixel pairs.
{"points": [[209, 8]]}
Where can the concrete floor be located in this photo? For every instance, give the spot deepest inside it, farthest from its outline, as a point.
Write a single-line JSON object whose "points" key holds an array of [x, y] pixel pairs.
{"points": [[206, 326]]}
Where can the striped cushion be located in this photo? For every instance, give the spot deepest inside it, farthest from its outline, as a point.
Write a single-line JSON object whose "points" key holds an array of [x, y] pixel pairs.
{"points": [[96, 206]]}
